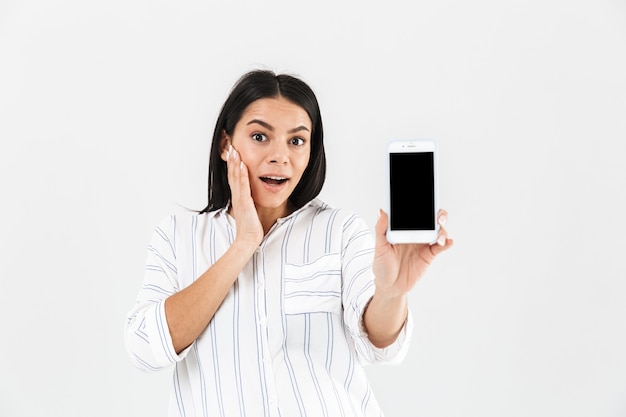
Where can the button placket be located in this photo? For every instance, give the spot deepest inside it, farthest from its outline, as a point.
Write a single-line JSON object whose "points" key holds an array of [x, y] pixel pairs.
{"points": [[261, 315]]}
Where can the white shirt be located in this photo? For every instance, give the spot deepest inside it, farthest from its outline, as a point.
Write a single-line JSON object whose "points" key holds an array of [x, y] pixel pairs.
{"points": [[288, 338]]}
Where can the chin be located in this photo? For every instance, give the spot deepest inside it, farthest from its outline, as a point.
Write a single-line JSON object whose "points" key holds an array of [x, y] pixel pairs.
{"points": [[272, 204]]}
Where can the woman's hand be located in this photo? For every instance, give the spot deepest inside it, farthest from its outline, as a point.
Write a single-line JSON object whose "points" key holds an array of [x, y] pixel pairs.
{"points": [[398, 267], [396, 270], [242, 205], [190, 310]]}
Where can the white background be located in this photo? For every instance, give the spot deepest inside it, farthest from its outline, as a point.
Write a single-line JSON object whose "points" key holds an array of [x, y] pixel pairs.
{"points": [[106, 113]]}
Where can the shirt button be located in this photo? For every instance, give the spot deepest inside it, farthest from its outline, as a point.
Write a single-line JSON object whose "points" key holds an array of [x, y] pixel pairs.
{"points": [[262, 322]]}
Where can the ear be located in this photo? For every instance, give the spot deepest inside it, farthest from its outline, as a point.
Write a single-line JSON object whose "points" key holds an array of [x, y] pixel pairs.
{"points": [[224, 145]]}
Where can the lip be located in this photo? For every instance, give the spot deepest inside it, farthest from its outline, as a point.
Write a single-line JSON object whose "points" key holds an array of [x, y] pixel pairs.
{"points": [[279, 181], [274, 175]]}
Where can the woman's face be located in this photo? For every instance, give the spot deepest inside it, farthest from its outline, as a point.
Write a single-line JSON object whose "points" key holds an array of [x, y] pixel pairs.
{"points": [[273, 138]]}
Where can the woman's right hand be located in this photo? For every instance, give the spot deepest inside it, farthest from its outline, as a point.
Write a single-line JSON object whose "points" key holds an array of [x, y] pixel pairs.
{"points": [[243, 210], [190, 310]]}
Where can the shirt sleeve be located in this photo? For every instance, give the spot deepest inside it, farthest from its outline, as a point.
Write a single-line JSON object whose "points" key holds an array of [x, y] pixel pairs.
{"points": [[358, 254], [147, 335]]}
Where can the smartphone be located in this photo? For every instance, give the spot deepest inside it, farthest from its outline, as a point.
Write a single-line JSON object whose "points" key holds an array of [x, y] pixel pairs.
{"points": [[412, 191]]}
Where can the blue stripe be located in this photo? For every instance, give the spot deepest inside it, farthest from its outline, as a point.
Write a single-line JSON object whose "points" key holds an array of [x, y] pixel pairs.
{"points": [[178, 393], [216, 366], [329, 357], [194, 274], [366, 399], [162, 328], [349, 221], [167, 263], [309, 361], [236, 350], [288, 364], [333, 294], [329, 229], [163, 236], [261, 339], [144, 363], [213, 333], [348, 380], [316, 274], [157, 289], [155, 268], [355, 277], [306, 247], [142, 335]]}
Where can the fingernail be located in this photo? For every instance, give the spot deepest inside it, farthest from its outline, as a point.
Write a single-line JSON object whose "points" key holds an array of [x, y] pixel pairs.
{"points": [[442, 220], [241, 165], [442, 240]]}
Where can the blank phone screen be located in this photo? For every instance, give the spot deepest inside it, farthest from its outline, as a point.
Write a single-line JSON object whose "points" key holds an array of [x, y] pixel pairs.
{"points": [[412, 199]]}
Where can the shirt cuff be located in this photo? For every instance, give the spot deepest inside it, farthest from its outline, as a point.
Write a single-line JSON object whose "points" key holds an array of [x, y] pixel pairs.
{"points": [[163, 350], [395, 352]]}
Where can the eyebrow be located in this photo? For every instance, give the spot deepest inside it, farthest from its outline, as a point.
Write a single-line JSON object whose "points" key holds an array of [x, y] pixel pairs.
{"points": [[271, 128]]}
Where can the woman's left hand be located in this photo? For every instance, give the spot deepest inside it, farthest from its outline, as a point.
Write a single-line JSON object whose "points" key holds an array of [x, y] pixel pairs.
{"points": [[398, 267]]}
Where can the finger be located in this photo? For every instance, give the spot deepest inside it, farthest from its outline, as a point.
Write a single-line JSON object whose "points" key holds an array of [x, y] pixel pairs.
{"points": [[230, 155], [232, 172], [436, 248], [238, 171], [442, 235], [442, 217], [244, 180], [381, 227], [443, 242]]}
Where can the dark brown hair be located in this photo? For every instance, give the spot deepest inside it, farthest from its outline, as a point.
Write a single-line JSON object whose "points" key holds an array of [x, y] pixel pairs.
{"points": [[253, 86]]}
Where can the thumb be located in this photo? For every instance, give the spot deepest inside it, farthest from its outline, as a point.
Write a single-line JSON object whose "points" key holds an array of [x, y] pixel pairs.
{"points": [[381, 226]]}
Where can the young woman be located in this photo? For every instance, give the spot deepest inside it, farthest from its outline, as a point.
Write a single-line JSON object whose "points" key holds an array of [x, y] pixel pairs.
{"points": [[269, 302]]}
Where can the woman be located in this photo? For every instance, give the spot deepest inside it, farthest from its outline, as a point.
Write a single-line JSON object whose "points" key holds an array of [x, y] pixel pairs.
{"points": [[269, 302]]}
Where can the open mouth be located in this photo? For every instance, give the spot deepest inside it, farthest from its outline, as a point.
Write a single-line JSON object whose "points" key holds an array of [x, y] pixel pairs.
{"points": [[273, 180]]}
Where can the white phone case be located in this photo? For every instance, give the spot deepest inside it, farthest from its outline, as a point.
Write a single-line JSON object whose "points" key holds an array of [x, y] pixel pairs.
{"points": [[418, 218]]}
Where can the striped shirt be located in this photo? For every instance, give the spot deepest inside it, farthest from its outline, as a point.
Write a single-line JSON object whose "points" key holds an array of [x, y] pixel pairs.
{"points": [[288, 339]]}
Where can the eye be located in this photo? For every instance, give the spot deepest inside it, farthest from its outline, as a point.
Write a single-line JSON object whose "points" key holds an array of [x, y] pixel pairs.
{"points": [[297, 141], [259, 137]]}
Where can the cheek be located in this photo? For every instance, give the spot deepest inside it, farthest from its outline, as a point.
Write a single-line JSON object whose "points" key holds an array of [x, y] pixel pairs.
{"points": [[245, 156], [304, 162]]}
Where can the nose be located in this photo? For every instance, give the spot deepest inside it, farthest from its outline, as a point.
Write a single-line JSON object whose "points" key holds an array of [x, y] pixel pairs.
{"points": [[278, 153]]}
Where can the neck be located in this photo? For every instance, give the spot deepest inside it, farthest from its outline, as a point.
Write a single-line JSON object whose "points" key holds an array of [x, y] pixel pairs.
{"points": [[268, 216]]}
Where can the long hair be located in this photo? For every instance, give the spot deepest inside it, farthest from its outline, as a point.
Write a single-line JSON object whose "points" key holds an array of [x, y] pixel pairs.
{"points": [[253, 86]]}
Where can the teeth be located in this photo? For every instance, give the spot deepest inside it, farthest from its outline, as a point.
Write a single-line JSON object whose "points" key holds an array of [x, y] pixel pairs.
{"points": [[276, 178]]}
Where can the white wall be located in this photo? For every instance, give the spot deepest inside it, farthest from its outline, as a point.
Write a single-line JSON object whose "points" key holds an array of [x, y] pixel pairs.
{"points": [[106, 112]]}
